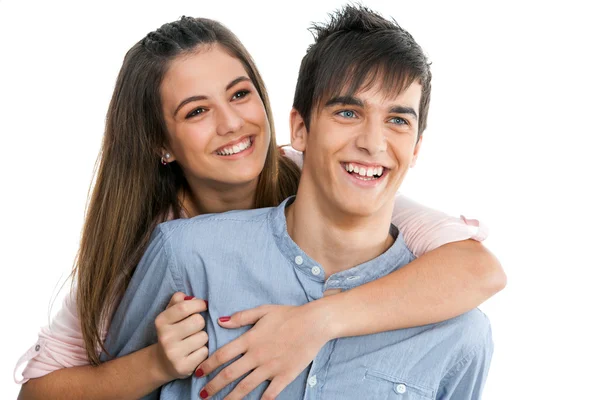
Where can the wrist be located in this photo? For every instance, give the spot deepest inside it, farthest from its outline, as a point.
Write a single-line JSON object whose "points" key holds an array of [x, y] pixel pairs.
{"points": [[157, 372], [328, 311]]}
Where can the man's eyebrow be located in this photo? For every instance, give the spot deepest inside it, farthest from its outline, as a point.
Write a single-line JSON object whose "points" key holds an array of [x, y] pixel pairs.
{"points": [[404, 110], [345, 100], [197, 98]]}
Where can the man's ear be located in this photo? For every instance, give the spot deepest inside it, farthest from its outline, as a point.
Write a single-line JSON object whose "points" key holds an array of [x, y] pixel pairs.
{"points": [[298, 132], [416, 152]]}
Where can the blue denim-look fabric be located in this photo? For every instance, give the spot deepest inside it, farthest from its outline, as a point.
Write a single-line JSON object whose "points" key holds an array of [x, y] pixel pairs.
{"points": [[243, 259]]}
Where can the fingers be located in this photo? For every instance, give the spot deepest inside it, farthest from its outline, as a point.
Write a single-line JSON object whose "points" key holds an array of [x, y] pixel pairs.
{"points": [[223, 355], [246, 317], [248, 384], [195, 342], [276, 386], [192, 324], [178, 297], [197, 357], [179, 311], [229, 374]]}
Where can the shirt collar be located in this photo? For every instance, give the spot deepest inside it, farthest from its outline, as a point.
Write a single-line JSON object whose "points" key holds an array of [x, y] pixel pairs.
{"points": [[396, 256]]}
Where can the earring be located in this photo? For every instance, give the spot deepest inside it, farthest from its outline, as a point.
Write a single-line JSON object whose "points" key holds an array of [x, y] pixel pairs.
{"points": [[164, 158]]}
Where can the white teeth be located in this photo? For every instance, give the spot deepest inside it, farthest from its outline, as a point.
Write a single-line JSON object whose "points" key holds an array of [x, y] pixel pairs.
{"points": [[236, 148], [367, 172]]}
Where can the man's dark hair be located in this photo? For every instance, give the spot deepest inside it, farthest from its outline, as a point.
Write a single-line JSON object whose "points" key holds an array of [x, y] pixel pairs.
{"points": [[356, 49]]}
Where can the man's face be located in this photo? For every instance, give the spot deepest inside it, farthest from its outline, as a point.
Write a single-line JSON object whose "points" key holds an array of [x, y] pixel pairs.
{"points": [[359, 148]]}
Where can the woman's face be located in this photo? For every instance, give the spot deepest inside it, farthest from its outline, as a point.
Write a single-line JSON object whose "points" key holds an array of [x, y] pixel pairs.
{"points": [[216, 121]]}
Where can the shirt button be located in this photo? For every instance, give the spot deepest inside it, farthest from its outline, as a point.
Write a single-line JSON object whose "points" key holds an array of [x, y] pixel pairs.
{"points": [[312, 381], [315, 270], [299, 260], [401, 388], [37, 347]]}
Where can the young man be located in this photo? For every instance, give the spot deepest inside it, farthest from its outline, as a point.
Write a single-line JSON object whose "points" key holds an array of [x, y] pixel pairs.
{"points": [[359, 111]]}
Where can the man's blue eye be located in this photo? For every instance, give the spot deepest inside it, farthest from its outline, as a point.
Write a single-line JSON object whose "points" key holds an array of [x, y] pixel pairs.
{"points": [[398, 121], [347, 114]]}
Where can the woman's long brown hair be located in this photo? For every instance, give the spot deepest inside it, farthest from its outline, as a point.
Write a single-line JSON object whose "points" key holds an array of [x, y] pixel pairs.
{"points": [[133, 192]]}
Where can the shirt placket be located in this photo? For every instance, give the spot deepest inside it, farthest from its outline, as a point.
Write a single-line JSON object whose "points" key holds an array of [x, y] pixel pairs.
{"points": [[317, 375]]}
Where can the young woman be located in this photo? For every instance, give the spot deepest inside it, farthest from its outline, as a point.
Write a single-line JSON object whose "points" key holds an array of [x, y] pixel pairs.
{"points": [[190, 135]]}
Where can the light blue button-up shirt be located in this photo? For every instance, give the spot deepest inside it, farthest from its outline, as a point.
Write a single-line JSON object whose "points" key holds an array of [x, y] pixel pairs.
{"points": [[243, 259]]}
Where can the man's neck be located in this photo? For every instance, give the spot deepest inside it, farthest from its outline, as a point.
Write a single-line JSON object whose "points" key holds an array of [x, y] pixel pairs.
{"points": [[336, 240]]}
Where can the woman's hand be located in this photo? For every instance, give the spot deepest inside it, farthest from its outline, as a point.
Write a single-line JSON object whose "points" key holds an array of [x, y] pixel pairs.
{"points": [[181, 343], [282, 343]]}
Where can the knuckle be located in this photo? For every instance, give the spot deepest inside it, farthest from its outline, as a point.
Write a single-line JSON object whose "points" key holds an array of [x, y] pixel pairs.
{"points": [[204, 352], [228, 373], [178, 296], [221, 357], [239, 316], [211, 387], [203, 336], [273, 365], [180, 368], [197, 320], [244, 387], [165, 338], [261, 354], [182, 307]]}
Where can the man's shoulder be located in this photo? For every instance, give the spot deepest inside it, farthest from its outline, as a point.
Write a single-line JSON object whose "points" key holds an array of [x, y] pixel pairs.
{"points": [[202, 223], [470, 333], [214, 231]]}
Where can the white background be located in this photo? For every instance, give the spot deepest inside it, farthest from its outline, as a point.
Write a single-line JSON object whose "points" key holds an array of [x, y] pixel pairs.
{"points": [[512, 140]]}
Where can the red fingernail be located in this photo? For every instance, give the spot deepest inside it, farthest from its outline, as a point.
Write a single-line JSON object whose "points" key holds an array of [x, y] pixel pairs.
{"points": [[199, 373], [204, 394], [188, 297], [224, 319], [206, 302]]}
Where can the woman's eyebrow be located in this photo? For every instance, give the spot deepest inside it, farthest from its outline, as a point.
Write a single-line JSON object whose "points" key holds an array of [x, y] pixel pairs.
{"points": [[236, 81], [202, 97]]}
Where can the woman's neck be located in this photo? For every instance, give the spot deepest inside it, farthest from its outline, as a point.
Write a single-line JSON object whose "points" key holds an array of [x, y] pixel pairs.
{"points": [[203, 198]]}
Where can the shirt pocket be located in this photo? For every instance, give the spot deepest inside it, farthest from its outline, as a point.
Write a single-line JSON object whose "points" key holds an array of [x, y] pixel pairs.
{"points": [[385, 386]]}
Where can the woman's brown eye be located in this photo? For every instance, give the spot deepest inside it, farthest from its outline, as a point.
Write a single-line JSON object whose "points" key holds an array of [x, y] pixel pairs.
{"points": [[241, 94], [196, 111]]}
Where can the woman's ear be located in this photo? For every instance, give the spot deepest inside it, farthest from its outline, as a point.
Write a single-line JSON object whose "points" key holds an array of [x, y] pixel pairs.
{"points": [[297, 131], [166, 156]]}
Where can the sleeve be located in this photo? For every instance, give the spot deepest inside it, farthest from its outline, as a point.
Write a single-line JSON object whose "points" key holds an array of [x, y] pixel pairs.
{"points": [[467, 378], [294, 155], [425, 229], [149, 291], [59, 345]]}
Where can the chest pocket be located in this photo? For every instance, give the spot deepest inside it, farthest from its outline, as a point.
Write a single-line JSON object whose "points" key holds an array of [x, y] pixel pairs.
{"points": [[384, 386]]}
